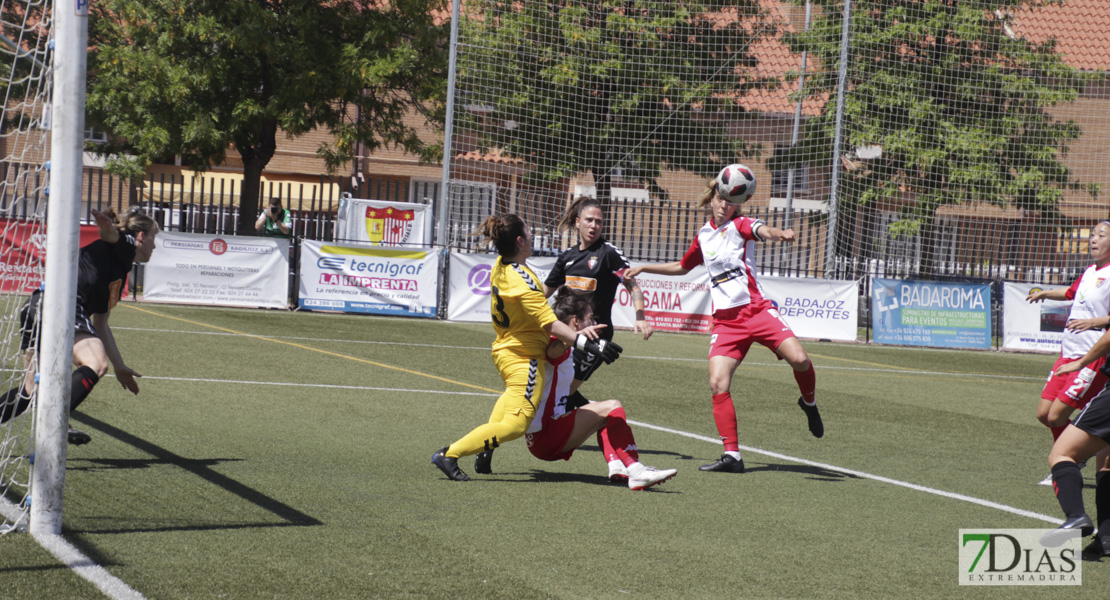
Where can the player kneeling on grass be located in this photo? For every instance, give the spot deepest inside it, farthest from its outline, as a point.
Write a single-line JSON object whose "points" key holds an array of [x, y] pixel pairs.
{"points": [[565, 420]]}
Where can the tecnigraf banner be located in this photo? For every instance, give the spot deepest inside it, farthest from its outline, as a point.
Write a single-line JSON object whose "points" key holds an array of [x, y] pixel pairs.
{"points": [[366, 279]]}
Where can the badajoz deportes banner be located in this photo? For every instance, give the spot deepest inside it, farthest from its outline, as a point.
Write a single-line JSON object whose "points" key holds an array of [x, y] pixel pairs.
{"points": [[931, 313], [364, 279]]}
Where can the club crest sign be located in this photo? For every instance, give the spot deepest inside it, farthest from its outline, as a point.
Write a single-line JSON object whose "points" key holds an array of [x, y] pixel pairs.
{"points": [[390, 226]]}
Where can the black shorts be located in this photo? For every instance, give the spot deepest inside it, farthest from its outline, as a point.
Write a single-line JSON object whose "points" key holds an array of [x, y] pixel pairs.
{"points": [[30, 324], [1095, 418]]}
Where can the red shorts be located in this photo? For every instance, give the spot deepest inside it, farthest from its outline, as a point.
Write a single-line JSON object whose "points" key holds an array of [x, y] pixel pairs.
{"points": [[1075, 389], [734, 337], [546, 443]]}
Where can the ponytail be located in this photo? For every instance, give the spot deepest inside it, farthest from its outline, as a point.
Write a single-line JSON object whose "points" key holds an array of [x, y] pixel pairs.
{"points": [[502, 230]]}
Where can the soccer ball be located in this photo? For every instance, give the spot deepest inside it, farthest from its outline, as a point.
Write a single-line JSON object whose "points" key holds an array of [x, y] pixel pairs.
{"points": [[736, 183]]}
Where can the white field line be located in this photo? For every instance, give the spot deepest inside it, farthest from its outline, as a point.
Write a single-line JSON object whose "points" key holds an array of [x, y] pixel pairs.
{"points": [[861, 474], [83, 566], [823, 366], [785, 457]]}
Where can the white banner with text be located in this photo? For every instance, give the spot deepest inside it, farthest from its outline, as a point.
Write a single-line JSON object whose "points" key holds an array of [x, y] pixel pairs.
{"points": [[365, 279], [196, 268], [1038, 327], [468, 281]]}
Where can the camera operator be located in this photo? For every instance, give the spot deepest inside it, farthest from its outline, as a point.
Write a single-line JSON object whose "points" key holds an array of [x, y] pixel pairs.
{"points": [[275, 221]]}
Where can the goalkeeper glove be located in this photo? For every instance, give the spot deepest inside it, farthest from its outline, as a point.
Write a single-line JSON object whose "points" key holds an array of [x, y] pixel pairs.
{"points": [[608, 351]]}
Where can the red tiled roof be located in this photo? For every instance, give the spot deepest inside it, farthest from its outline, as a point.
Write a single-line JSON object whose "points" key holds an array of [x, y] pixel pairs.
{"points": [[1081, 29]]}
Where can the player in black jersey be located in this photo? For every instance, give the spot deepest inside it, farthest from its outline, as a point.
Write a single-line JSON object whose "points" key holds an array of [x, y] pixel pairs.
{"points": [[102, 269], [594, 266]]}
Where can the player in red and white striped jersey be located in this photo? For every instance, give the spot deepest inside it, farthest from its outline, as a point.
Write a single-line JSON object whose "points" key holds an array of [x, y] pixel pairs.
{"points": [[741, 315]]}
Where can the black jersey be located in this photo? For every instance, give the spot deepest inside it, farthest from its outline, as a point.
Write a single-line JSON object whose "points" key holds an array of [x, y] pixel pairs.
{"points": [[592, 271], [101, 271]]}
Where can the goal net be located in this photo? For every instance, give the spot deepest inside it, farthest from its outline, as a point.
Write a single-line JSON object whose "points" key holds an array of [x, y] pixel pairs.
{"points": [[929, 139], [24, 136]]}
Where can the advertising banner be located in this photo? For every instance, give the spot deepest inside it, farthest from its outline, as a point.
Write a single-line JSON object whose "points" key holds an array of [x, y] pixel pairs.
{"points": [[367, 279], [23, 253], [381, 223], [816, 308], [1025, 326], [468, 284], [931, 313], [218, 270], [678, 303]]}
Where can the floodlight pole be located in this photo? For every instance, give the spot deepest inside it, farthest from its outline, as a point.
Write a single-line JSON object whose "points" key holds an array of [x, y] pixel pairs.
{"points": [[67, 120]]}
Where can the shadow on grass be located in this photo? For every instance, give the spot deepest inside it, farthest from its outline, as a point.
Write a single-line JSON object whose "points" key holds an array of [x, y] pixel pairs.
{"points": [[817, 473], [199, 467], [560, 477]]}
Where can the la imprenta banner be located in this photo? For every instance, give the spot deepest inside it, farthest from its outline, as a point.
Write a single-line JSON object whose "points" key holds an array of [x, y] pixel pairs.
{"points": [[367, 279], [381, 223], [931, 313], [196, 268], [1038, 327], [816, 308], [468, 284]]}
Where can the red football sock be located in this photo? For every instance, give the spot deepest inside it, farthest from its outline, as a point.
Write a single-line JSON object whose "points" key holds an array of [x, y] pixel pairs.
{"points": [[619, 434], [1056, 431], [606, 446], [724, 414], [807, 383]]}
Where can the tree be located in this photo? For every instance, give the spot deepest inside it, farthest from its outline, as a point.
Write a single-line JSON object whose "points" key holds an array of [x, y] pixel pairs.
{"points": [[195, 77], [958, 104], [610, 86]]}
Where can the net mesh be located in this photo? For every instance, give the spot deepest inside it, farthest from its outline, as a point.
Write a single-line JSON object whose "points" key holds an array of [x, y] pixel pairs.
{"points": [[24, 135], [959, 140]]}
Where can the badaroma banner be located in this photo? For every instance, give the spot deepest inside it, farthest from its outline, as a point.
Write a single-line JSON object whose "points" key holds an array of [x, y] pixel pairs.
{"points": [[931, 313], [366, 279], [218, 270]]}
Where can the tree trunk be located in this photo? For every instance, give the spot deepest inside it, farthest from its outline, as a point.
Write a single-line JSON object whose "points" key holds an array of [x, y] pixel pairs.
{"points": [[256, 154]]}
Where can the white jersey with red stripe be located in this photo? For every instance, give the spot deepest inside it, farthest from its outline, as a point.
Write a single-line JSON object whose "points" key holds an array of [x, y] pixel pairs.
{"points": [[1090, 296], [728, 253], [556, 388]]}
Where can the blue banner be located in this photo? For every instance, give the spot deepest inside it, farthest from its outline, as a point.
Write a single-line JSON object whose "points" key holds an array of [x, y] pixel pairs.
{"points": [[931, 313]]}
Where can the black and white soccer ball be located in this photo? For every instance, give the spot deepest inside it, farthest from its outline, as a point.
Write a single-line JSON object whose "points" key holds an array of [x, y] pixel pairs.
{"points": [[736, 183]]}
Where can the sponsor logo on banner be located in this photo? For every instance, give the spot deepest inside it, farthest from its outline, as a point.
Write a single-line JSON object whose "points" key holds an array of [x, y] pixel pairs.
{"points": [[217, 246], [388, 225], [1019, 557], [478, 280]]}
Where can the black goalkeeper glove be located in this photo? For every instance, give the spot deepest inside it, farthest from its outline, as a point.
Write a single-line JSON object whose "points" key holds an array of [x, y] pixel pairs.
{"points": [[608, 351]]}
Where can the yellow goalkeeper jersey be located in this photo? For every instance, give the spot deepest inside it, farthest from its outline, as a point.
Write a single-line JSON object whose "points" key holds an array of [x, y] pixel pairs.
{"points": [[519, 310]]}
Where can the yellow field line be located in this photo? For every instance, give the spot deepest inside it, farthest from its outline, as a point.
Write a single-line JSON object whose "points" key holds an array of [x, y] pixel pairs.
{"points": [[860, 362], [310, 348]]}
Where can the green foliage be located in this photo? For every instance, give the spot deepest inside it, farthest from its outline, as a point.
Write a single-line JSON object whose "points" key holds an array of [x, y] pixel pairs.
{"points": [[960, 108], [599, 84], [195, 77]]}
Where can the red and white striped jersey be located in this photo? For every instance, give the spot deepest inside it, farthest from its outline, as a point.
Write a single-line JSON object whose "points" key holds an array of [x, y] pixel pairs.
{"points": [[728, 253], [556, 388], [1090, 296]]}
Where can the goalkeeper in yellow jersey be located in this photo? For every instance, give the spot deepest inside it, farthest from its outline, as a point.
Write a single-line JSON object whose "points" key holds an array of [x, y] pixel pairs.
{"points": [[524, 323]]}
